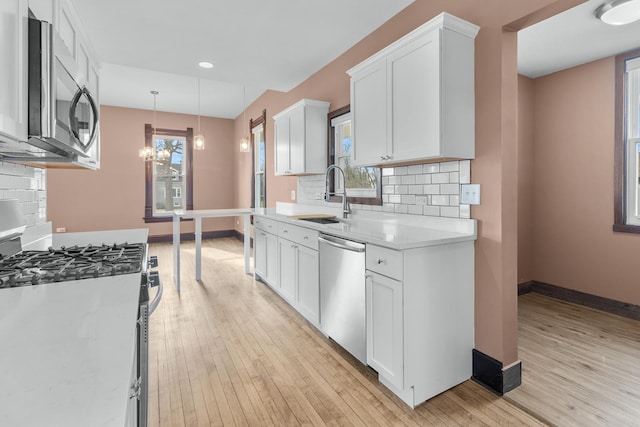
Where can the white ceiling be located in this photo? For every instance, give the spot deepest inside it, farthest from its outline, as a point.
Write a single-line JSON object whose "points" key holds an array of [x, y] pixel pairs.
{"points": [[572, 38], [146, 45]]}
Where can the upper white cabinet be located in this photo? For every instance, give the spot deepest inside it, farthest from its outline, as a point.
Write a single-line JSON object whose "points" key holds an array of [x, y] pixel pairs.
{"points": [[301, 138], [13, 70], [414, 100]]}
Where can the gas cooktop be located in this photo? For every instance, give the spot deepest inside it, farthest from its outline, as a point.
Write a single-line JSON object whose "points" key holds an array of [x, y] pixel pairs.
{"points": [[70, 263]]}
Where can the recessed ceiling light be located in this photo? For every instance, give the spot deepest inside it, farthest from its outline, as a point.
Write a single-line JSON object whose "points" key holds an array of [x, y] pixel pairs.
{"points": [[619, 12], [205, 64]]}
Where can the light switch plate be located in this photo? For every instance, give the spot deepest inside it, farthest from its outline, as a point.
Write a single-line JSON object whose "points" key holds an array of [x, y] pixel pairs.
{"points": [[293, 194], [470, 194]]}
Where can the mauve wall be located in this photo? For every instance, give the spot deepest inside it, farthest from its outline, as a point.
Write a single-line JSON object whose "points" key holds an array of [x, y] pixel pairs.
{"points": [[526, 179], [573, 243], [495, 166], [113, 196]]}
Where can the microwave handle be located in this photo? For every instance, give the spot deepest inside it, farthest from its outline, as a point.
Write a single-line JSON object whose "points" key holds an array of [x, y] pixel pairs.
{"points": [[73, 120]]}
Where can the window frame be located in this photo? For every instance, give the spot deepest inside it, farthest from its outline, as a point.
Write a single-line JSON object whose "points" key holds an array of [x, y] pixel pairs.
{"points": [[254, 123], [331, 158], [149, 131], [621, 150]]}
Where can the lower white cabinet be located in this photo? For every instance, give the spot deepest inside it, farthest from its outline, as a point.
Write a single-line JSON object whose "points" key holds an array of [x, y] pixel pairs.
{"points": [[287, 252], [288, 263], [385, 344], [266, 256], [420, 318]]}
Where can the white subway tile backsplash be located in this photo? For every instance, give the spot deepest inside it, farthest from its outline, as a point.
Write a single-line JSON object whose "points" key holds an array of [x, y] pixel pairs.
{"points": [[440, 178], [28, 186], [408, 179], [431, 189], [414, 169]]}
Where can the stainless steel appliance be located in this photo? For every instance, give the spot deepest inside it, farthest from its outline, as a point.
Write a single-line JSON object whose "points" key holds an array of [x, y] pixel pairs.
{"points": [[63, 116], [78, 262], [342, 293]]}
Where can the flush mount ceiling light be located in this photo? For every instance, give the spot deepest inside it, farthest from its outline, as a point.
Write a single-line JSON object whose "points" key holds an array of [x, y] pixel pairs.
{"points": [[205, 64], [618, 12]]}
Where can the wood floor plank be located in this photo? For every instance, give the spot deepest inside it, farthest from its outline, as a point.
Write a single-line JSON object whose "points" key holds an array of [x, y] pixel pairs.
{"points": [[229, 351], [581, 367]]}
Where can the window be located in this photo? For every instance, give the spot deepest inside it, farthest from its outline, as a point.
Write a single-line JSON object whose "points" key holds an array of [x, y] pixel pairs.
{"points": [[627, 140], [259, 187], [363, 183], [169, 177]]}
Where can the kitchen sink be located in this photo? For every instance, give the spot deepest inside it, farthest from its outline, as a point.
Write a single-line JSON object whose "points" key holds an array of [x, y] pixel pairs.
{"points": [[322, 220]]}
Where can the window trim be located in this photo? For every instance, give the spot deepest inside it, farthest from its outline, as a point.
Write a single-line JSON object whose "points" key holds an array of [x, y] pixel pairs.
{"points": [[253, 123], [620, 148], [148, 172], [377, 201]]}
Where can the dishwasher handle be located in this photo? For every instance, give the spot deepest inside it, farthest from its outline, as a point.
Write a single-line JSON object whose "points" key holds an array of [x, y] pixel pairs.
{"points": [[342, 244]]}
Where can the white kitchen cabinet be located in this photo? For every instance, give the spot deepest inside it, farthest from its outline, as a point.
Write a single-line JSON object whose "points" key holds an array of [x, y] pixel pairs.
{"points": [[385, 344], [414, 100], [13, 71], [420, 318], [301, 138], [266, 250], [287, 253], [299, 276]]}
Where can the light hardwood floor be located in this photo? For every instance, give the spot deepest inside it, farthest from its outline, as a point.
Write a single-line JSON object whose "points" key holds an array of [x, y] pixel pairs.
{"points": [[580, 366], [228, 351]]}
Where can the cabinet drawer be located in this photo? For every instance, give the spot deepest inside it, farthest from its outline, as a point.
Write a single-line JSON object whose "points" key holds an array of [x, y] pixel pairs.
{"points": [[265, 224], [300, 235], [387, 262]]}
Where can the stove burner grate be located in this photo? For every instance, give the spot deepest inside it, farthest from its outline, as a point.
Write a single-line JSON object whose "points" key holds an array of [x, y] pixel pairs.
{"points": [[70, 263]]}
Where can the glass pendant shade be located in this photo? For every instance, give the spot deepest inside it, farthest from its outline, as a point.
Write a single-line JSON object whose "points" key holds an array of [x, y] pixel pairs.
{"points": [[146, 153], [198, 142], [244, 144]]}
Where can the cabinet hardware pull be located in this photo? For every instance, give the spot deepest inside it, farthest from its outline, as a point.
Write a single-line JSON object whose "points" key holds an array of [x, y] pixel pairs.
{"points": [[306, 237], [285, 231], [379, 261]]}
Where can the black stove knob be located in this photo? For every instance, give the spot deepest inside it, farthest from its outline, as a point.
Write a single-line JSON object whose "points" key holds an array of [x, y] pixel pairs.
{"points": [[153, 261]]}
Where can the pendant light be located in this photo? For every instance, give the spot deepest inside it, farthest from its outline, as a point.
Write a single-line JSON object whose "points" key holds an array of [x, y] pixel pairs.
{"points": [[618, 12], [148, 153], [198, 140], [244, 141]]}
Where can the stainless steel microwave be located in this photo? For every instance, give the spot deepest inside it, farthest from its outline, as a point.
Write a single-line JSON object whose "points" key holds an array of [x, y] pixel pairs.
{"points": [[63, 116]]}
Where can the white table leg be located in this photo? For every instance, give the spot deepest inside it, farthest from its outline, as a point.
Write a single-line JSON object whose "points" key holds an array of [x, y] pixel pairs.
{"points": [[247, 240], [176, 251], [198, 248]]}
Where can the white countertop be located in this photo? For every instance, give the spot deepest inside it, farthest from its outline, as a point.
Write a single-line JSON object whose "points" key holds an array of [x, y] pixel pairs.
{"points": [[66, 352], [395, 231]]}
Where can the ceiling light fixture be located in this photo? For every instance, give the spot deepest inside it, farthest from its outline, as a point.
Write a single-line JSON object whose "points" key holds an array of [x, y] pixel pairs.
{"points": [[205, 64], [244, 141], [618, 12], [198, 140], [147, 153]]}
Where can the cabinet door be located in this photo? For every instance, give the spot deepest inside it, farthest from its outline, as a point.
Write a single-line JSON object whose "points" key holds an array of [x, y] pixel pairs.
{"points": [[369, 115], [282, 145], [13, 69], [287, 254], [308, 284], [414, 78], [385, 351], [297, 141], [272, 259], [260, 253]]}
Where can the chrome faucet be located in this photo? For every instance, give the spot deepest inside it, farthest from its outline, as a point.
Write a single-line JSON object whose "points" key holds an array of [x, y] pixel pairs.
{"points": [[346, 209]]}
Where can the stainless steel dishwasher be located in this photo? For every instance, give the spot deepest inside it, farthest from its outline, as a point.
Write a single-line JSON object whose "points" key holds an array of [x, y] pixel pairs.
{"points": [[342, 293]]}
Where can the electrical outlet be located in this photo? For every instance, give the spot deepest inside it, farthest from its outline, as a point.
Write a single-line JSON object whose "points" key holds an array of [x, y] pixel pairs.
{"points": [[293, 194], [470, 194], [319, 196], [61, 230]]}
